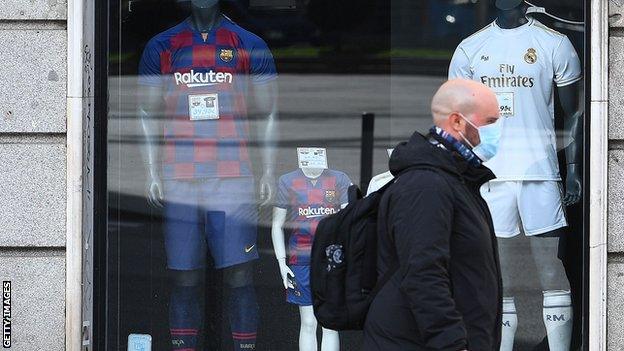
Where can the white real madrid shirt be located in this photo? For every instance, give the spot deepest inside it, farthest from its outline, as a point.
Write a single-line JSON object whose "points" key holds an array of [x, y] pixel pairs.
{"points": [[521, 65], [379, 181]]}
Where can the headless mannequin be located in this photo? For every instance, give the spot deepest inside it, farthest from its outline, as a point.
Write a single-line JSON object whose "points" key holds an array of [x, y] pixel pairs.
{"points": [[544, 247], [307, 331], [381, 179], [204, 15], [150, 107]]}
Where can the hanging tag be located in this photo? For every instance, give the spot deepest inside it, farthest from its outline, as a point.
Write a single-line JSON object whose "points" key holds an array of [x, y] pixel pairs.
{"points": [[506, 104], [312, 157], [203, 107], [139, 342]]}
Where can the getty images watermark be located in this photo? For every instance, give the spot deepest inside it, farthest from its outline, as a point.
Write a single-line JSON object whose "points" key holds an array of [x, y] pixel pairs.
{"points": [[6, 314]]}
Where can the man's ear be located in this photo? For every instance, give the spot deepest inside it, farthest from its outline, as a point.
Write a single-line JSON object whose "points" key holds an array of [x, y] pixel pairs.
{"points": [[455, 121]]}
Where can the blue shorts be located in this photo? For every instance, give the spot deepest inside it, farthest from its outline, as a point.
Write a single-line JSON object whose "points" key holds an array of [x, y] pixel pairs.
{"points": [[301, 294], [219, 214]]}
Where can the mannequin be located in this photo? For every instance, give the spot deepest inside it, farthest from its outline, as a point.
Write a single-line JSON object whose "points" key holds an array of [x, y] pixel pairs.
{"points": [[381, 179], [297, 189], [520, 57], [202, 183]]}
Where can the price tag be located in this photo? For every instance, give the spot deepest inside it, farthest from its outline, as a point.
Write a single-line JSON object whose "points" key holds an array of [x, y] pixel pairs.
{"points": [[139, 342], [312, 157], [203, 107], [506, 104]]}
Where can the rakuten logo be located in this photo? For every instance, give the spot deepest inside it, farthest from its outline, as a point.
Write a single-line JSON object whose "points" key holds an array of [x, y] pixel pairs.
{"points": [[200, 79], [311, 212]]}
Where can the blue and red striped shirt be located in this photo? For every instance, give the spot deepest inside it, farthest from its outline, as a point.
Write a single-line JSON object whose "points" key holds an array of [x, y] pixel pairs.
{"points": [[185, 64], [308, 201]]}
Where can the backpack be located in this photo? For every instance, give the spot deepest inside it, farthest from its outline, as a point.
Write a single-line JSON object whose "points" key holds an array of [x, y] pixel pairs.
{"points": [[343, 267]]}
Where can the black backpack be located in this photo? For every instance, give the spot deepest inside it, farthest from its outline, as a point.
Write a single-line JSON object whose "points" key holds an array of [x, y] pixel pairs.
{"points": [[343, 268]]}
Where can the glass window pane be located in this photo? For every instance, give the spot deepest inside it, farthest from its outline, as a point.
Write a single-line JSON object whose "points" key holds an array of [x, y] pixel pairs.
{"points": [[235, 126]]}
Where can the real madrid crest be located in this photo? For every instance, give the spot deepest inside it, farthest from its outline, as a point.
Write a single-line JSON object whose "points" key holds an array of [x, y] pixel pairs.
{"points": [[330, 195], [226, 55], [531, 56]]}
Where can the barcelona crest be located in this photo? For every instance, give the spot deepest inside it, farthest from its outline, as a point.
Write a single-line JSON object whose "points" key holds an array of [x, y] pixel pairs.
{"points": [[226, 55], [330, 195]]}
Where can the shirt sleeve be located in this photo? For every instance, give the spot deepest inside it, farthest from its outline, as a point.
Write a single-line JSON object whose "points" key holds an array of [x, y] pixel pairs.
{"points": [[460, 65], [262, 68], [343, 187], [282, 198], [567, 66], [149, 66]]}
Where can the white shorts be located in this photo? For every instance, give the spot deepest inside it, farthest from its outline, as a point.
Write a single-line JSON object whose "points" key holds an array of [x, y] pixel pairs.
{"points": [[535, 205]]}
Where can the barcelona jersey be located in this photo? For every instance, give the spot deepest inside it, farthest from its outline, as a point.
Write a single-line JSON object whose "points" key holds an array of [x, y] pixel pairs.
{"points": [[205, 78], [308, 201]]}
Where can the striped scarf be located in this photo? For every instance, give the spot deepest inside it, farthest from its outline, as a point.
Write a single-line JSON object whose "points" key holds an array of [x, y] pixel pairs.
{"points": [[461, 149]]}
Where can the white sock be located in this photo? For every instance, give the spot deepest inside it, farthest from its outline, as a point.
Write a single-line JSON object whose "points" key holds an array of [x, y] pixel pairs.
{"points": [[510, 324], [558, 319], [331, 340]]}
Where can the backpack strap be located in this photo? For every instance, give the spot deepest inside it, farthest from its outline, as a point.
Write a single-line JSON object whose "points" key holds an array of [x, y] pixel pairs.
{"points": [[353, 193]]}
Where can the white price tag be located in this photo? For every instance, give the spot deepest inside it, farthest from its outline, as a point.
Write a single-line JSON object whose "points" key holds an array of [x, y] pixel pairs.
{"points": [[312, 157], [506, 104], [203, 107], [139, 342]]}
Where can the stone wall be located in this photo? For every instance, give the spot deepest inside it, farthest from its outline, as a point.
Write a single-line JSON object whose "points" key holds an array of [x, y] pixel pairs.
{"points": [[615, 330], [33, 168]]}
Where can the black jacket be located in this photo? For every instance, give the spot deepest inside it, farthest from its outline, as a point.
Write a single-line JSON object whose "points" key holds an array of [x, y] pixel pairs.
{"points": [[447, 292]]}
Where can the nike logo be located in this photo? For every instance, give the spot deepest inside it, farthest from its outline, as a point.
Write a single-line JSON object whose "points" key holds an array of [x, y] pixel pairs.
{"points": [[248, 249]]}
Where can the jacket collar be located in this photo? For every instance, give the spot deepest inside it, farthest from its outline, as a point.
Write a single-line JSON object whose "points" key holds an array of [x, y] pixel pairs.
{"points": [[420, 152]]}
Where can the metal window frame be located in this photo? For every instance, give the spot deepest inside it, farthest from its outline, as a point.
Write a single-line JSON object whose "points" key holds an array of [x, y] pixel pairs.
{"points": [[74, 209], [596, 282]]}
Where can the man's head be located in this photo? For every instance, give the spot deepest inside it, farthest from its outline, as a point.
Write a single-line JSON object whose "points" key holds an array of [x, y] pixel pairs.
{"points": [[460, 102]]}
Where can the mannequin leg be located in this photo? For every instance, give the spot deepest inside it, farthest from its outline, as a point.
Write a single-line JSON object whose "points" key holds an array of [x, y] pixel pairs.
{"points": [[185, 309], [242, 305], [330, 341], [307, 332], [557, 312], [510, 324], [510, 318], [550, 269], [186, 250]]}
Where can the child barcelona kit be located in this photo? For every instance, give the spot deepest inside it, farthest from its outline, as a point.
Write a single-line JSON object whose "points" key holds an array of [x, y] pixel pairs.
{"points": [[308, 201]]}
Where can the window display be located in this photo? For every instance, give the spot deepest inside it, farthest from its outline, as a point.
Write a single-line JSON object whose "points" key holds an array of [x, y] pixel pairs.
{"points": [[235, 126], [304, 197], [201, 69], [522, 60]]}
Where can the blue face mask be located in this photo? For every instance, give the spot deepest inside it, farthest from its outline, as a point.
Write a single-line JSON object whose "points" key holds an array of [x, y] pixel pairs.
{"points": [[204, 4], [490, 135]]}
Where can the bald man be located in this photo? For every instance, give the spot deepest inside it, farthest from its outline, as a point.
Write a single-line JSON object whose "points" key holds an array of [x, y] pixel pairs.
{"points": [[436, 236]]}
